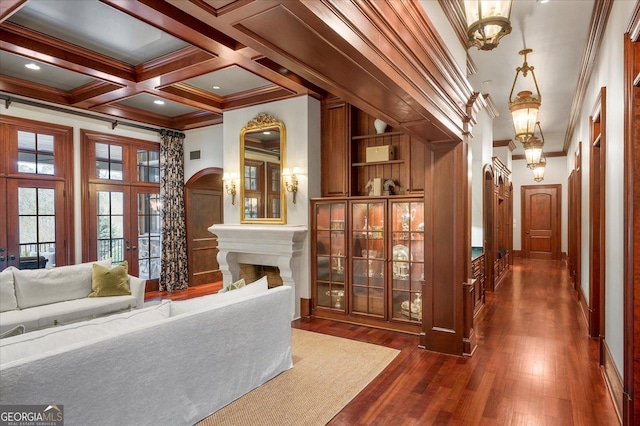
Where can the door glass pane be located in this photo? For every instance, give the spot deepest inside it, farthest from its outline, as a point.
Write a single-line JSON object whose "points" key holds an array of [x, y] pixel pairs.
{"points": [[36, 227], [149, 236], [27, 201], [110, 226], [46, 201]]}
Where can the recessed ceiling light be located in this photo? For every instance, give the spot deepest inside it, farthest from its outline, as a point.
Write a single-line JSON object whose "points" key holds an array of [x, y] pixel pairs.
{"points": [[158, 102], [486, 82], [216, 87], [266, 133], [32, 66]]}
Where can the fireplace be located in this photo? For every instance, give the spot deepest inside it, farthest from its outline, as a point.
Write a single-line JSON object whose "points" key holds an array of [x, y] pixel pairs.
{"points": [[251, 273], [268, 245]]}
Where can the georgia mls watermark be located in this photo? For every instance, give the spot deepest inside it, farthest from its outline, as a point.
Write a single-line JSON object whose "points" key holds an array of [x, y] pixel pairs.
{"points": [[31, 415]]}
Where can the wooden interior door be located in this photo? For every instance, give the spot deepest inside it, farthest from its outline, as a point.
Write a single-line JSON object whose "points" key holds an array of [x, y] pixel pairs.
{"points": [[204, 207], [541, 221]]}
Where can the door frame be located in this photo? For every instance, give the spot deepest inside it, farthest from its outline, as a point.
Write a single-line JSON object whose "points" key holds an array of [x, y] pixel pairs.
{"points": [[555, 252], [597, 211]]}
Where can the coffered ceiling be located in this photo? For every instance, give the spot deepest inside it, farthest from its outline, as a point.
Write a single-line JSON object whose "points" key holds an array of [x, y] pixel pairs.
{"points": [[91, 55], [202, 57]]}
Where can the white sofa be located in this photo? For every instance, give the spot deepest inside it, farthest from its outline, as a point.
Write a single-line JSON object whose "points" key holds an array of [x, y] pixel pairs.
{"points": [[170, 364], [39, 298]]}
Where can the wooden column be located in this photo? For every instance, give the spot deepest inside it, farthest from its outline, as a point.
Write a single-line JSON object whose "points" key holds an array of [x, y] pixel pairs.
{"points": [[447, 246]]}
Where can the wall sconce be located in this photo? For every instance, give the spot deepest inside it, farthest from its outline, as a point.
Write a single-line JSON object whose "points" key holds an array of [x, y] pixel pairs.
{"points": [[230, 185], [524, 108], [487, 22], [290, 181], [538, 170]]}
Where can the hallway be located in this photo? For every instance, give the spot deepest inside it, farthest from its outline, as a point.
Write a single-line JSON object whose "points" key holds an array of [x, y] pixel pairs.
{"points": [[534, 365]]}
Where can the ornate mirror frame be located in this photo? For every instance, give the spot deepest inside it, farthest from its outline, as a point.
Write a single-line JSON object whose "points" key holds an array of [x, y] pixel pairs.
{"points": [[262, 123]]}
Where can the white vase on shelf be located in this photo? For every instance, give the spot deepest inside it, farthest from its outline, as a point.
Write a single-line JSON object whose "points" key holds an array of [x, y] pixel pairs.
{"points": [[380, 125]]}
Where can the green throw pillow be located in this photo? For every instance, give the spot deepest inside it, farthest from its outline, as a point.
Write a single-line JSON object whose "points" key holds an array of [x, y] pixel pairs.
{"points": [[236, 285], [110, 282]]}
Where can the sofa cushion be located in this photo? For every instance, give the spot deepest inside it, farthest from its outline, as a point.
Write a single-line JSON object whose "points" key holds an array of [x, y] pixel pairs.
{"points": [[29, 318], [110, 281], [56, 338], [236, 285], [184, 306], [82, 309], [37, 287], [8, 299], [15, 331]]}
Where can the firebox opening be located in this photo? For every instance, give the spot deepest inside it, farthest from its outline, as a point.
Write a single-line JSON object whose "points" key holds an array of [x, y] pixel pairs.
{"points": [[251, 273]]}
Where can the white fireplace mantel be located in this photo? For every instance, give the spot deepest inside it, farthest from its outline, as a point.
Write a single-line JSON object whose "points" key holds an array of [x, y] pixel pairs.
{"points": [[270, 245]]}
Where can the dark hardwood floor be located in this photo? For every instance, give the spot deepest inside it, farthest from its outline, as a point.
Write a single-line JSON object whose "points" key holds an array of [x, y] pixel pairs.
{"points": [[535, 363]]}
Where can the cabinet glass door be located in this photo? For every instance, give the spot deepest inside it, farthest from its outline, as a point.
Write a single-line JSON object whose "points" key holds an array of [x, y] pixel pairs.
{"points": [[330, 255], [407, 259], [368, 257]]}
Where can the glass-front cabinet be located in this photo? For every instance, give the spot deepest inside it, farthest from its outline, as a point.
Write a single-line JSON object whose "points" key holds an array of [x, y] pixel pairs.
{"points": [[330, 254], [407, 259], [369, 260], [368, 257]]}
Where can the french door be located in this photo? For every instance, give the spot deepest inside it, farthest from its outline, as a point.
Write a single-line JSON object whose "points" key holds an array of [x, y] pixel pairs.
{"points": [[122, 199], [36, 211], [124, 224], [36, 231]]}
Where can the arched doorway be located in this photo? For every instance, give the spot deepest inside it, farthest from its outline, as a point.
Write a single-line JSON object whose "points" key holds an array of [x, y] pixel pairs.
{"points": [[203, 208]]}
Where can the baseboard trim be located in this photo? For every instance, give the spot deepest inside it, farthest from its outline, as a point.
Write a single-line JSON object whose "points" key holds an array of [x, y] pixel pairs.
{"points": [[612, 379], [517, 253], [305, 308], [584, 307]]}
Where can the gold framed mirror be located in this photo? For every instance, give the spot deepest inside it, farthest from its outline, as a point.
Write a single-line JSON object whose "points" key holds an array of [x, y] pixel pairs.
{"points": [[262, 156]]}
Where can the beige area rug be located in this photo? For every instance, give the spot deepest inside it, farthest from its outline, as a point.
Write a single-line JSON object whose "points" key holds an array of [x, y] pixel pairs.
{"points": [[327, 373]]}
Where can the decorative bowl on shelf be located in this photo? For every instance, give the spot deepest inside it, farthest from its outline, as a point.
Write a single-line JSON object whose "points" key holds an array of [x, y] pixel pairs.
{"points": [[337, 295]]}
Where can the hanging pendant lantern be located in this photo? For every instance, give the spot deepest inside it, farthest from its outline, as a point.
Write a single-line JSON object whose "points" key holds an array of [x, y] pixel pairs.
{"points": [[524, 108], [487, 22], [533, 149], [538, 170]]}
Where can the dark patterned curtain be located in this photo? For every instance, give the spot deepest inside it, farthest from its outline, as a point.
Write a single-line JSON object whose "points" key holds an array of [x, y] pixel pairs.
{"points": [[173, 272]]}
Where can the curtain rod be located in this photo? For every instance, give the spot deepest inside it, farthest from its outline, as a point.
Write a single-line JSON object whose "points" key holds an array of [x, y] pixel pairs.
{"points": [[9, 100]]}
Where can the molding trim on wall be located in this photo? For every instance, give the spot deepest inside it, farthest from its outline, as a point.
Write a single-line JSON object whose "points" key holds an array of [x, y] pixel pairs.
{"points": [[599, 18], [305, 308], [546, 154], [584, 307], [612, 378], [506, 142]]}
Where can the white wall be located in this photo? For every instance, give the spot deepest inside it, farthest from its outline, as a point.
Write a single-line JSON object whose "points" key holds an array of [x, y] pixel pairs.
{"points": [[77, 122], [609, 73], [301, 118], [207, 140], [481, 151], [555, 173], [505, 155]]}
